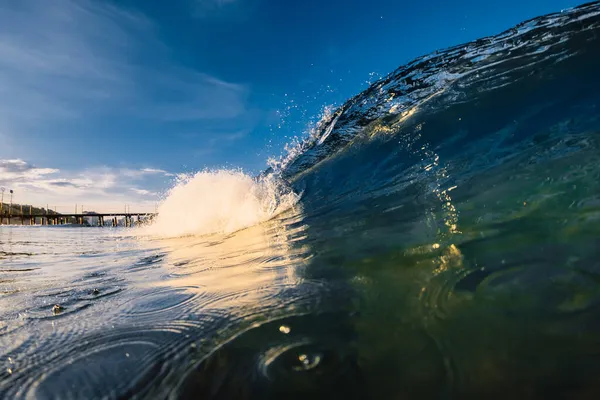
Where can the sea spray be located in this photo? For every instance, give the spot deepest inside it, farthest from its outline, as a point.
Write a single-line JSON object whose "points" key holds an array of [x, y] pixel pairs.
{"points": [[220, 201]]}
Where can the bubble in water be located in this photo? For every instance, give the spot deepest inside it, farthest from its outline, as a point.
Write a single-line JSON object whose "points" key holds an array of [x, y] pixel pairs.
{"points": [[307, 362]]}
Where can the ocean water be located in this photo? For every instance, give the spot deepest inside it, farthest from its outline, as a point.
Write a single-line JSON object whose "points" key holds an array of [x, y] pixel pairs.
{"points": [[437, 236]]}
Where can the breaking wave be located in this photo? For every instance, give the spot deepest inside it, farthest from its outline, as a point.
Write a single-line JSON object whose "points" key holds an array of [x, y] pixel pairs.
{"points": [[219, 202]]}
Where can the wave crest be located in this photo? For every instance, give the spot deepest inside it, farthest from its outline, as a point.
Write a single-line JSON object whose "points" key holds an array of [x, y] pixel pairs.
{"points": [[484, 64], [219, 202]]}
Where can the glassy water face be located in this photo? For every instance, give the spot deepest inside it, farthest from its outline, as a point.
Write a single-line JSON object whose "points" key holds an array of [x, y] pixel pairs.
{"points": [[445, 244]]}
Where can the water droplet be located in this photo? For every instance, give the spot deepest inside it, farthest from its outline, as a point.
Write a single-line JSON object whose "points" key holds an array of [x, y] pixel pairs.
{"points": [[285, 329]]}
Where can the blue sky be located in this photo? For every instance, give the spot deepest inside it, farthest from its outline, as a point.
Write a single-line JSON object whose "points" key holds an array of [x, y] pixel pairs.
{"points": [[104, 102]]}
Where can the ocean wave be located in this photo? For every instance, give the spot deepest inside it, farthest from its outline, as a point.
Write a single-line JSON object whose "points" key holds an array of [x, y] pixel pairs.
{"points": [[484, 64], [396, 106]]}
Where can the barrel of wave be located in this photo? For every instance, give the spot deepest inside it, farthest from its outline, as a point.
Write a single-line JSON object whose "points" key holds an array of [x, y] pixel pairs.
{"points": [[221, 201]]}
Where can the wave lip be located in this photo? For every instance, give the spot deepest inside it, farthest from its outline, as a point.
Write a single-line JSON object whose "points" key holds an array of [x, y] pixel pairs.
{"points": [[410, 87]]}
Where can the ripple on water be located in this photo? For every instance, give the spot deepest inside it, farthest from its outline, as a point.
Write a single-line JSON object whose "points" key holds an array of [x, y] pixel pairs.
{"points": [[127, 357], [293, 357], [149, 262], [82, 371], [521, 320], [69, 301], [158, 303], [14, 254]]}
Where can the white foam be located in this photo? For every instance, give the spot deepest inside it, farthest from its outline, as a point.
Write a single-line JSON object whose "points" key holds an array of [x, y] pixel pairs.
{"points": [[219, 202]]}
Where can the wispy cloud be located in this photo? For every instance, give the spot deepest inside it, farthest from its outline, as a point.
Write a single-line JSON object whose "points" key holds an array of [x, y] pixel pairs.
{"points": [[72, 63], [21, 170], [211, 5], [100, 187], [80, 58], [156, 171], [223, 10], [228, 138], [143, 192], [141, 173], [217, 140]]}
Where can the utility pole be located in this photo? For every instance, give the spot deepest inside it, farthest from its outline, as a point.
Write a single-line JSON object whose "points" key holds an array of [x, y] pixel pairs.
{"points": [[10, 208], [2, 189]]}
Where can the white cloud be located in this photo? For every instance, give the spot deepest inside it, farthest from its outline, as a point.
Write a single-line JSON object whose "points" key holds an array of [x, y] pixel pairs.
{"points": [[101, 188], [21, 170], [143, 192], [144, 172], [156, 171]]}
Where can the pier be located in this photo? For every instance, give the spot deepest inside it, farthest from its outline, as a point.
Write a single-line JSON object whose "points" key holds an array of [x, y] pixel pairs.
{"points": [[20, 214], [128, 219]]}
